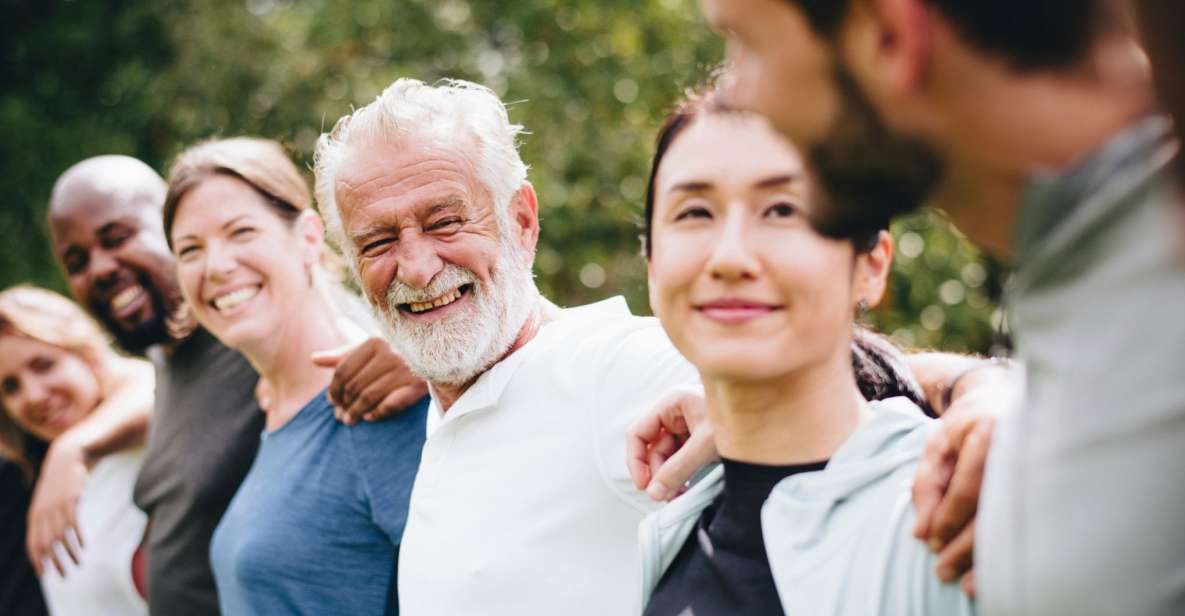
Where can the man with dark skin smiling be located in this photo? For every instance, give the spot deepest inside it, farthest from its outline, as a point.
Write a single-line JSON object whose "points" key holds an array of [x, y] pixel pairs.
{"points": [[1032, 124], [105, 221]]}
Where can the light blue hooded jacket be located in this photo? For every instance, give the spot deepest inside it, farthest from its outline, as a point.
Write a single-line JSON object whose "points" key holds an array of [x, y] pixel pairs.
{"points": [[840, 540]]}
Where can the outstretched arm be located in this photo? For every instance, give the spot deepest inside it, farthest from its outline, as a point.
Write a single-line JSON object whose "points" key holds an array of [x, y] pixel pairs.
{"points": [[119, 422]]}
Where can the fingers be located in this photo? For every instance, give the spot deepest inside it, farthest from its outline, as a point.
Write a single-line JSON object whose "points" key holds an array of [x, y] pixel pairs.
{"points": [[372, 383], [54, 528], [332, 357], [669, 444], [637, 447], [961, 501], [397, 401], [348, 367], [698, 451], [933, 475], [366, 391], [955, 559], [969, 583]]}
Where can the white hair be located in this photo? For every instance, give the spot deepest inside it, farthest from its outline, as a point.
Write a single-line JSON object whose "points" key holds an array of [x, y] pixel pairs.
{"points": [[454, 114]]}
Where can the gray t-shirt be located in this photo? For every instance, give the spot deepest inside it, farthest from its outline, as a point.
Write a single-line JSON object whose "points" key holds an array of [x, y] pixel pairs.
{"points": [[205, 431], [1083, 509]]}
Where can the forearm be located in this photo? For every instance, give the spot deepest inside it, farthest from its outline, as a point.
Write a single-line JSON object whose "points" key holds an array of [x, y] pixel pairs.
{"points": [[934, 371], [121, 419]]}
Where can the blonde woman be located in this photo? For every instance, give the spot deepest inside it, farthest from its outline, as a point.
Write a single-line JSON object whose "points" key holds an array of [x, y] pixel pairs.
{"points": [[321, 498], [56, 369]]}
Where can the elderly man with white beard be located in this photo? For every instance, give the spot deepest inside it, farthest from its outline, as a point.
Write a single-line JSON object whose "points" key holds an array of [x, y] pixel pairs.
{"points": [[523, 503]]}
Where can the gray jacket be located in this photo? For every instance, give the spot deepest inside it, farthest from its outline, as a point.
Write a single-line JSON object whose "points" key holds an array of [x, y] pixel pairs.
{"points": [[839, 540]]}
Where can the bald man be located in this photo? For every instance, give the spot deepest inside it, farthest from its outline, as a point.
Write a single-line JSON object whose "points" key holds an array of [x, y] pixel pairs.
{"points": [[106, 230]]}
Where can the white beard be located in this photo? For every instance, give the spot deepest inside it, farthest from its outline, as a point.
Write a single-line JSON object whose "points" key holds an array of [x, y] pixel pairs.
{"points": [[459, 347]]}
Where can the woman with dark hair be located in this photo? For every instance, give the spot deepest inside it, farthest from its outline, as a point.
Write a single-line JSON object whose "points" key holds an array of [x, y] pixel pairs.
{"points": [[321, 498], [810, 511]]}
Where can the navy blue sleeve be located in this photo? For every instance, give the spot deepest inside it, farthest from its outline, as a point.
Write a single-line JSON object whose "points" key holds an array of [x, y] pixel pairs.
{"points": [[388, 456]]}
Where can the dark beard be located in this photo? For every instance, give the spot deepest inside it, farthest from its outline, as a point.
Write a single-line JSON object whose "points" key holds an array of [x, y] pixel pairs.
{"points": [[156, 330], [866, 174]]}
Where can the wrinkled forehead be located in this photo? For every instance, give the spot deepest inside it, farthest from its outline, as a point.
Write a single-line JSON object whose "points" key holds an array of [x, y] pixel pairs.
{"points": [[405, 172]]}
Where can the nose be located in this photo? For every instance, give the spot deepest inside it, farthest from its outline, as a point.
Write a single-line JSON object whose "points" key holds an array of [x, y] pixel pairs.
{"points": [[731, 258], [35, 395], [220, 261], [417, 262], [103, 267]]}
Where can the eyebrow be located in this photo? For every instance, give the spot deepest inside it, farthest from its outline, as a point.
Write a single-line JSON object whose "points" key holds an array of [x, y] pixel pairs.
{"points": [[444, 204], [770, 182], [363, 236], [692, 186], [126, 221], [226, 225], [778, 180]]}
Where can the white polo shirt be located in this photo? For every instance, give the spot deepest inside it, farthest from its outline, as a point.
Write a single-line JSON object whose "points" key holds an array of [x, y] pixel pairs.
{"points": [[523, 503]]}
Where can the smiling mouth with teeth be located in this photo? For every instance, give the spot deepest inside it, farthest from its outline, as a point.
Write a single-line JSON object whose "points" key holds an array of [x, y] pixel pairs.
{"points": [[234, 299], [439, 302], [124, 298]]}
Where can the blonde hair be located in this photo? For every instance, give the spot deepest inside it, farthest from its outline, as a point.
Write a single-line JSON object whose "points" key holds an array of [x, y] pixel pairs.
{"points": [[42, 315], [262, 164]]}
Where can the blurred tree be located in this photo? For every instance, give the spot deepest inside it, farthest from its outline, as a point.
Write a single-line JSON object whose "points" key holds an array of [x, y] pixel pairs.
{"points": [[590, 80]]}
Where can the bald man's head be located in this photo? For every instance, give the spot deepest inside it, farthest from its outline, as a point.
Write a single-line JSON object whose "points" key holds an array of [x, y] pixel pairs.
{"points": [[105, 225]]}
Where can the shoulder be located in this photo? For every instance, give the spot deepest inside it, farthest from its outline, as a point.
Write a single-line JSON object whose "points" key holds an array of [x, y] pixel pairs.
{"points": [[608, 344], [399, 437]]}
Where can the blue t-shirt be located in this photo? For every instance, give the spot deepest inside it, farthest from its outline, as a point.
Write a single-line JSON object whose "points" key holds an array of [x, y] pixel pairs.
{"points": [[315, 527]]}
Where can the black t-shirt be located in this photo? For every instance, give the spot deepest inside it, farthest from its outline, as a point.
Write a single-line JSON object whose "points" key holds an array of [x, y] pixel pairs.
{"points": [[722, 569], [20, 593], [205, 432]]}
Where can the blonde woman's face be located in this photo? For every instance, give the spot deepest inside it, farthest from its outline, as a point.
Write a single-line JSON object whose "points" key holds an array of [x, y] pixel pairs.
{"points": [[45, 389], [243, 270]]}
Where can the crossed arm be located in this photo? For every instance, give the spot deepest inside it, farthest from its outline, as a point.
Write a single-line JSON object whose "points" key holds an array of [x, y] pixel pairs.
{"points": [[119, 422]]}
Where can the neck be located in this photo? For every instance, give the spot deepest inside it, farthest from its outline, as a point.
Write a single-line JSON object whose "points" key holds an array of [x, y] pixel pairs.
{"points": [[1006, 126], [286, 371], [794, 419], [446, 394]]}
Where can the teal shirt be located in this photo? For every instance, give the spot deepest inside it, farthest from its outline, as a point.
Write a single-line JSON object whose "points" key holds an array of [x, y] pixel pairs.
{"points": [[316, 525]]}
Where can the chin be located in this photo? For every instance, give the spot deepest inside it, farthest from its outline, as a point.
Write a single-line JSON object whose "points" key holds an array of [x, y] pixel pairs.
{"points": [[740, 361]]}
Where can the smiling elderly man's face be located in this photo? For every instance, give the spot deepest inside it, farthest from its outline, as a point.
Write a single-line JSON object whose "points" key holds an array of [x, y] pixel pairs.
{"points": [[451, 280]]}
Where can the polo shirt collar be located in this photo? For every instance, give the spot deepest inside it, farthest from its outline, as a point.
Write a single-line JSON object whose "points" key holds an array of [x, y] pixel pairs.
{"points": [[488, 388]]}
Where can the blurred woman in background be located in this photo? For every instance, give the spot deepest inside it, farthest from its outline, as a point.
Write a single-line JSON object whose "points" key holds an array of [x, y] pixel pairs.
{"points": [[321, 498], [810, 512], [56, 368]]}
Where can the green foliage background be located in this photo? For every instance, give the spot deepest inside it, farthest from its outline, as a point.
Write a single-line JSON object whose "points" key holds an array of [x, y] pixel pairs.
{"points": [[590, 79]]}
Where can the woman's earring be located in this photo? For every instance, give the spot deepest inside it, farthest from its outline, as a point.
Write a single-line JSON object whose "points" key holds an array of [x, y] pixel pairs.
{"points": [[861, 307]]}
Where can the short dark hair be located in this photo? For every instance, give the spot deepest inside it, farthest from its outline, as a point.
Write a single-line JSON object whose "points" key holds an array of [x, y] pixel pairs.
{"points": [[1028, 34]]}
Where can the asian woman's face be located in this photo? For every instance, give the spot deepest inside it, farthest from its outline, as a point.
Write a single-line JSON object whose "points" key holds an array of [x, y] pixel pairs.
{"points": [[243, 269], [45, 389], [743, 285]]}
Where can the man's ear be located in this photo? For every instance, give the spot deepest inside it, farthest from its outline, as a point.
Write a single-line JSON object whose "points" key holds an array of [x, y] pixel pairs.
{"points": [[872, 271], [886, 45], [524, 215]]}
